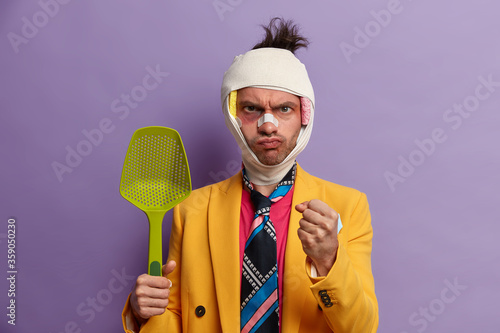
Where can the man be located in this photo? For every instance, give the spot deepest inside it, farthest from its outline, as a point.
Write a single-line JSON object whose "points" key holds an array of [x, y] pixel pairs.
{"points": [[265, 250]]}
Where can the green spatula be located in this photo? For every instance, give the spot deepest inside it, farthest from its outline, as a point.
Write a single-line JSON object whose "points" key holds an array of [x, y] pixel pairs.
{"points": [[155, 178]]}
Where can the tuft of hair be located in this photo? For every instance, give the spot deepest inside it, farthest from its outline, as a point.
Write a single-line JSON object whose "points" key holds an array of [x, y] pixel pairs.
{"points": [[282, 34]]}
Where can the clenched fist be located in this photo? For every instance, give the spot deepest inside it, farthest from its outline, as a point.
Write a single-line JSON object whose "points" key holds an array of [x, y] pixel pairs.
{"points": [[318, 233], [150, 295]]}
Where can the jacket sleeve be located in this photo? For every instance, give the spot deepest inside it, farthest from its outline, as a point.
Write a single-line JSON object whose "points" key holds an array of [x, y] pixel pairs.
{"points": [[347, 294], [170, 321]]}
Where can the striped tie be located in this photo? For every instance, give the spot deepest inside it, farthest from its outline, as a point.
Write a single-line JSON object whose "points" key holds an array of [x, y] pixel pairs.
{"points": [[259, 283]]}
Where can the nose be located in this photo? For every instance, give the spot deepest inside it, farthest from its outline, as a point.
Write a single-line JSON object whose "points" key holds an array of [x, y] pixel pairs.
{"points": [[267, 127]]}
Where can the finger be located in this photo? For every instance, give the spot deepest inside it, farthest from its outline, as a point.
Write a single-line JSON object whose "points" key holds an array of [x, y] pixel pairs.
{"points": [[169, 267], [145, 311], [150, 281], [301, 207], [302, 235], [316, 224], [322, 208], [148, 312], [152, 296], [313, 217], [307, 226], [305, 238]]}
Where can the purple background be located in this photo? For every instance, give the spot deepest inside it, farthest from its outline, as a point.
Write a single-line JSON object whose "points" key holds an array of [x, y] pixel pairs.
{"points": [[439, 226]]}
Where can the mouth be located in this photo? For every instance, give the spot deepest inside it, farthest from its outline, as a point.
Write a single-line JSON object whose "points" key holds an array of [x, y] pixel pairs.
{"points": [[269, 143]]}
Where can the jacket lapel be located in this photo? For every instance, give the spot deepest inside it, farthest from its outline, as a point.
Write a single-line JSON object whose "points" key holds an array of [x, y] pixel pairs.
{"points": [[295, 277], [223, 229]]}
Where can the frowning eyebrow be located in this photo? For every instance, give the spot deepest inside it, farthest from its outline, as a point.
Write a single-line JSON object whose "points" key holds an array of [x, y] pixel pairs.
{"points": [[288, 104]]}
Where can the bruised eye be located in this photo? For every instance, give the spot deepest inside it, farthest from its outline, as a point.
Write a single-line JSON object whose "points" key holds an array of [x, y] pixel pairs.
{"points": [[249, 108]]}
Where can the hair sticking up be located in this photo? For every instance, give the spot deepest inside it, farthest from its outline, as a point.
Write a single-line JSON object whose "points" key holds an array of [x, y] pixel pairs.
{"points": [[282, 34]]}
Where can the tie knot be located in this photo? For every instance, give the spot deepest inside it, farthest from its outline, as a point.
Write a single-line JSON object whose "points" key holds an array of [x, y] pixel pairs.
{"points": [[261, 203]]}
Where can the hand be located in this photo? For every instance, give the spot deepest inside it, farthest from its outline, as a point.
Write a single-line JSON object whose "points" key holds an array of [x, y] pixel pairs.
{"points": [[318, 233], [150, 295]]}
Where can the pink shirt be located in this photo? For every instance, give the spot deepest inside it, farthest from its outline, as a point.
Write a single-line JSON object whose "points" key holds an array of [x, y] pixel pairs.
{"points": [[279, 215]]}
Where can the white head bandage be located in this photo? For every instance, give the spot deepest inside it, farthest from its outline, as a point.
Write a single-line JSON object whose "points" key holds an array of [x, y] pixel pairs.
{"points": [[268, 68]]}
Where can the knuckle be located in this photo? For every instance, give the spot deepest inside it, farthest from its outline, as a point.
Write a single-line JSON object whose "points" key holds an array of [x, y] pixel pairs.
{"points": [[328, 226], [141, 302], [141, 280], [333, 214], [139, 292], [300, 235], [314, 202], [307, 242]]}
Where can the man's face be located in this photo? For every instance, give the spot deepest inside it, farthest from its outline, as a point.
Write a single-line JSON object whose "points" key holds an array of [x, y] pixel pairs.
{"points": [[270, 144]]}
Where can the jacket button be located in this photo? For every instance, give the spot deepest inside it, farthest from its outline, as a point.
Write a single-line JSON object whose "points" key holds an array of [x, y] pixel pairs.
{"points": [[325, 298], [200, 311]]}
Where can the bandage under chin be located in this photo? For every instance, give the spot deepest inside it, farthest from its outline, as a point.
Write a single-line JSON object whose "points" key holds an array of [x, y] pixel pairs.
{"points": [[267, 118]]}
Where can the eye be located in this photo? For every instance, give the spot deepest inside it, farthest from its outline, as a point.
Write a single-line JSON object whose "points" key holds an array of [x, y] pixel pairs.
{"points": [[249, 108], [286, 109]]}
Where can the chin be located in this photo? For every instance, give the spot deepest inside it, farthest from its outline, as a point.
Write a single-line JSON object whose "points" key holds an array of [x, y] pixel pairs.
{"points": [[271, 161], [270, 157]]}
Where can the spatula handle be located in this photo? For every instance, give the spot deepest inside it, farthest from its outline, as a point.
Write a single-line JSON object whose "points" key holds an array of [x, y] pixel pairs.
{"points": [[155, 242]]}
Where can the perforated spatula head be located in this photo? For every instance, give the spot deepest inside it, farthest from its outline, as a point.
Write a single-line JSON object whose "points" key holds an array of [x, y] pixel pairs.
{"points": [[155, 178]]}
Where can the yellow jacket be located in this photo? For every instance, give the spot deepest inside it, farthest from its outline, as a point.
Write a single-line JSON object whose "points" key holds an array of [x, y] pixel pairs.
{"points": [[205, 295]]}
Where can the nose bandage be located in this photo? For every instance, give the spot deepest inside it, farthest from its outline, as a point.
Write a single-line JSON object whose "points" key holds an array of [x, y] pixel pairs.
{"points": [[267, 118], [275, 69]]}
